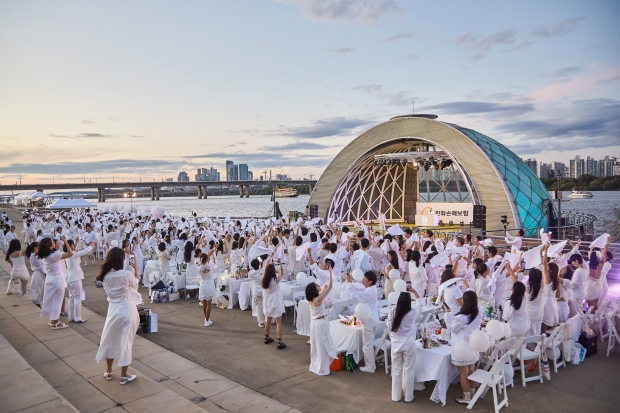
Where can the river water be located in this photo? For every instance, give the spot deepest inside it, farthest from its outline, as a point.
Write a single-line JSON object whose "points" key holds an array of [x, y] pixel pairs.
{"points": [[261, 206]]}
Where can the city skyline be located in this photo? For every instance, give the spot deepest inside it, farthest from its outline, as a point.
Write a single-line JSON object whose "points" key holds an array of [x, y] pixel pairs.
{"points": [[107, 91]]}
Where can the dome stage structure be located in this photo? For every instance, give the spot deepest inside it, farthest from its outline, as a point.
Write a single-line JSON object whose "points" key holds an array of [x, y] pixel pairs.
{"points": [[416, 162]]}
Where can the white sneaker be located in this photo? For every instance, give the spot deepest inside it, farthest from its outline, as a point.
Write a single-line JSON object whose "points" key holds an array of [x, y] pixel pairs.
{"points": [[261, 325], [207, 323], [200, 304], [465, 399], [367, 370]]}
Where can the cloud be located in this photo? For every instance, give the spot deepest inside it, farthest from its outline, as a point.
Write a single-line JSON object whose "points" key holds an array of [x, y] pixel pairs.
{"points": [[399, 36], [484, 43], [398, 98], [88, 121], [337, 126], [366, 12], [132, 166], [592, 123], [608, 81], [296, 146], [341, 50], [137, 136], [560, 29], [269, 159], [83, 136], [567, 71], [496, 110]]}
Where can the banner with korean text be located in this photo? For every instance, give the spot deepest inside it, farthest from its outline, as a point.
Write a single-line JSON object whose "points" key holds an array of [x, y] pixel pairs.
{"points": [[448, 211]]}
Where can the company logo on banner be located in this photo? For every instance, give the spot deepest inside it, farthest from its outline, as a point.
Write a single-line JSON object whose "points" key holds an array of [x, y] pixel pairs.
{"points": [[447, 211]]}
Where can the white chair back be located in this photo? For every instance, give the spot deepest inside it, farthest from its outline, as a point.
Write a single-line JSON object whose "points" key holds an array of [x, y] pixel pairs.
{"points": [[244, 296]]}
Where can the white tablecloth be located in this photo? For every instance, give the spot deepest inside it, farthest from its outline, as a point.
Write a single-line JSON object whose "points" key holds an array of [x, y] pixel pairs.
{"points": [[151, 265], [434, 364], [232, 290], [347, 338]]}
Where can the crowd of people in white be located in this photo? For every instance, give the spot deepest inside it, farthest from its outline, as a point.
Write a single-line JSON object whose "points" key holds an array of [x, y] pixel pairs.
{"points": [[533, 290]]}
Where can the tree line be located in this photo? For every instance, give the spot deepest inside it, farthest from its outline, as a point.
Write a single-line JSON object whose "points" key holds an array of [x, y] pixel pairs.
{"points": [[584, 183]]}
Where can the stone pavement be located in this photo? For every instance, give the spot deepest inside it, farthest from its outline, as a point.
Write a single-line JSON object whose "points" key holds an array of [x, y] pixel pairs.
{"points": [[55, 370]]}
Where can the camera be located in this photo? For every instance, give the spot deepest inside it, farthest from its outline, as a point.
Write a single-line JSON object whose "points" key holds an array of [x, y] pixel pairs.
{"points": [[504, 220]]}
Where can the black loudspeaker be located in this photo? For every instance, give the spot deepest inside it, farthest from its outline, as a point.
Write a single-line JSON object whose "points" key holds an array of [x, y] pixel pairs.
{"points": [[313, 210], [480, 217]]}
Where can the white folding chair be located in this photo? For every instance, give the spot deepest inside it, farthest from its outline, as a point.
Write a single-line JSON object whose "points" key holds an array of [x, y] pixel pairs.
{"points": [[494, 379], [524, 355], [297, 296], [192, 284], [244, 296], [613, 333], [599, 318], [552, 347], [508, 347], [385, 346], [586, 318], [575, 327], [289, 303]]}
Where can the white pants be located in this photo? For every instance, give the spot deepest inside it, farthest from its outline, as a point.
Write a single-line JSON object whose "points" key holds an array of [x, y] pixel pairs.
{"points": [[403, 373], [368, 338], [21, 287], [257, 300], [75, 300]]}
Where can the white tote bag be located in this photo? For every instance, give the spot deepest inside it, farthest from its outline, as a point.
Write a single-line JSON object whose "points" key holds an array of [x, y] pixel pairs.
{"points": [[153, 323]]}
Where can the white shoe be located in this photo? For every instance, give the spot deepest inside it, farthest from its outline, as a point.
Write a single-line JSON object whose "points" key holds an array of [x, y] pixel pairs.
{"points": [[465, 399], [200, 304], [261, 325], [125, 380], [367, 370], [208, 323]]}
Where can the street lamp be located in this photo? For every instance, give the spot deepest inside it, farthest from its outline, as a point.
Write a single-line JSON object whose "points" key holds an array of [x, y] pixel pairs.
{"points": [[131, 196]]}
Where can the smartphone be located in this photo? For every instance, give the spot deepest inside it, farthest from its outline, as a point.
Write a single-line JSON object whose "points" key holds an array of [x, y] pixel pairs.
{"points": [[131, 259], [443, 304]]}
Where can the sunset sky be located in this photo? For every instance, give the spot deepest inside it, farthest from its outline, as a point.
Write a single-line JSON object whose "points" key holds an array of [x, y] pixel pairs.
{"points": [[145, 89]]}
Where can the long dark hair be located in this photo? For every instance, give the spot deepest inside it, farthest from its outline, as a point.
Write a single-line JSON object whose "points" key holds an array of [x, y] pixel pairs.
{"points": [[470, 305], [30, 248], [67, 245], [14, 245], [268, 275], [187, 253], [403, 307], [113, 261], [535, 283], [594, 261], [516, 298], [446, 275], [480, 269], [415, 256], [553, 273], [311, 291], [45, 248], [393, 259]]}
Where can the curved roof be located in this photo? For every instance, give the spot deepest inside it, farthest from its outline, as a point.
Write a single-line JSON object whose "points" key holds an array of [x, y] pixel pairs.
{"points": [[527, 191], [489, 165]]}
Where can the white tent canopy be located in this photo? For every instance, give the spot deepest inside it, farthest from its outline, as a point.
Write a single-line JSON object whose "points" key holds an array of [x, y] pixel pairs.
{"points": [[39, 194], [71, 203]]}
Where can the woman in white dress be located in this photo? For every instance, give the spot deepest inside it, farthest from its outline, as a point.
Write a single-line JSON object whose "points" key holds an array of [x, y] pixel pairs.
{"points": [[481, 284], [19, 272], [273, 302], [551, 290], [122, 319], [207, 292], [515, 312], [137, 253], [392, 265], [74, 279], [417, 273], [236, 255], [402, 328], [566, 273], [322, 351], [164, 260], [535, 300], [55, 281], [191, 273], [37, 282], [594, 281], [465, 322]]}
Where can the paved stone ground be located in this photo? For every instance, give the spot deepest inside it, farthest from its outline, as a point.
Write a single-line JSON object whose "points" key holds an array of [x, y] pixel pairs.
{"points": [[233, 348]]}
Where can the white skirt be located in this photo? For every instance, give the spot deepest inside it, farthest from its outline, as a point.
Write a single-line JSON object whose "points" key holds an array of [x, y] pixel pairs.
{"points": [[53, 295], [322, 351], [273, 303], [594, 289], [37, 287], [207, 290], [118, 333], [20, 272]]}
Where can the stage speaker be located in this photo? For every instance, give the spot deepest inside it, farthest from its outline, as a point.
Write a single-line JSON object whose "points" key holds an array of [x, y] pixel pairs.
{"points": [[313, 211], [480, 217]]}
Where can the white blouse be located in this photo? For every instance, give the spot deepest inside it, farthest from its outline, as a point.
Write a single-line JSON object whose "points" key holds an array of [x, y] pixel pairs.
{"points": [[405, 336]]}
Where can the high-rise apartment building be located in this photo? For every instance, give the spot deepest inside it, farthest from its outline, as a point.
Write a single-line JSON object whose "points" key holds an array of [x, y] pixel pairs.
{"points": [[183, 177], [577, 167], [207, 174], [243, 172], [230, 166], [532, 164]]}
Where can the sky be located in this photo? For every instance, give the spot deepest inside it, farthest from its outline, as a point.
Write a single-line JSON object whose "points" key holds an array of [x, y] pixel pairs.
{"points": [[128, 90]]}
